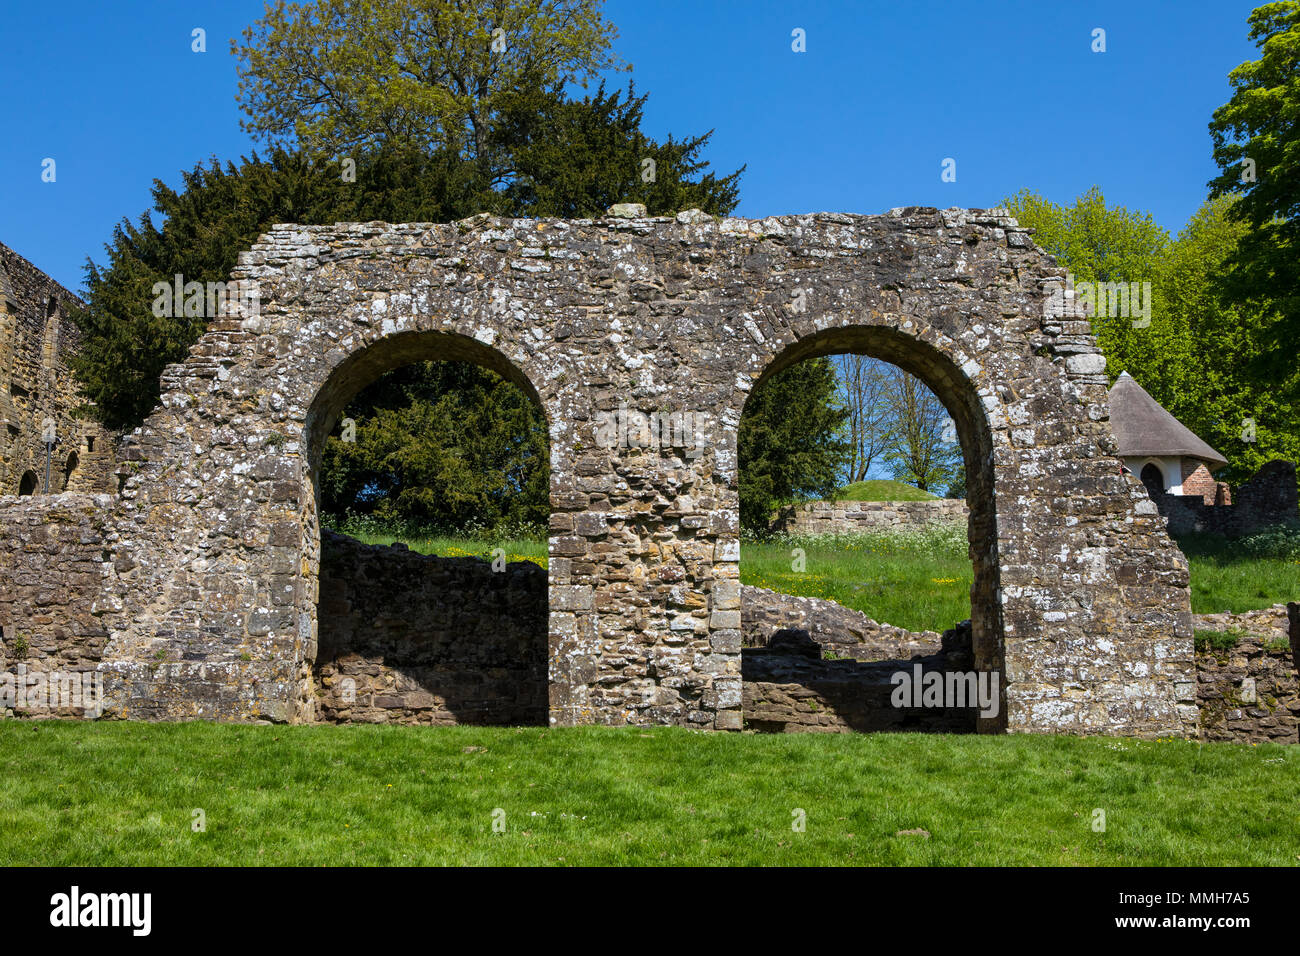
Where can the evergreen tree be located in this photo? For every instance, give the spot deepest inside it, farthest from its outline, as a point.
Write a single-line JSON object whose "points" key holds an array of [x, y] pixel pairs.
{"points": [[791, 443]]}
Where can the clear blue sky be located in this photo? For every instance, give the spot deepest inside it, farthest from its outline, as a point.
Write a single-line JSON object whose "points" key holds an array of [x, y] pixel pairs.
{"points": [[859, 123]]}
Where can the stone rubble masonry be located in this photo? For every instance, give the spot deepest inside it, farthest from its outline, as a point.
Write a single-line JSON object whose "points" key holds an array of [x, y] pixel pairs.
{"points": [[427, 640], [836, 517], [813, 666], [1251, 692], [1080, 598], [413, 639], [57, 595], [1269, 498], [37, 338]]}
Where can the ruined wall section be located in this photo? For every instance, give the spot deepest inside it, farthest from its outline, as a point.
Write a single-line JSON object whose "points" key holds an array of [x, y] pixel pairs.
{"points": [[1250, 692], [37, 337], [1080, 596], [57, 595], [414, 639], [1269, 498], [841, 517]]}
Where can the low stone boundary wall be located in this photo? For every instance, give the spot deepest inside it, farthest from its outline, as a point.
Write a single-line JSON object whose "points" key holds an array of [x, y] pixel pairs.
{"points": [[813, 666], [409, 638], [830, 517], [1251, 692], [1267, 499]]}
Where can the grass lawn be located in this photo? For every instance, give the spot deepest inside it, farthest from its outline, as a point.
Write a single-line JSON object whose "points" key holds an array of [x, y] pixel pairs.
{"points": [[82, 793], [881, 490], [1223, 579], [920, 581]]}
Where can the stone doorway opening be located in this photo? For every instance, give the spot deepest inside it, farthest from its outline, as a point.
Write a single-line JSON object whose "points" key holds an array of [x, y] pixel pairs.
{"points": [[878, 580], [426, 611]]}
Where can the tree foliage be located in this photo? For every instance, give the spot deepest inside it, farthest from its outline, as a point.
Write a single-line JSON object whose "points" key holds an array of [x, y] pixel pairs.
{"points": [[790, 440], [340, 76], [1198, 357], [1256, 137], [923, 448], [444, 445]]}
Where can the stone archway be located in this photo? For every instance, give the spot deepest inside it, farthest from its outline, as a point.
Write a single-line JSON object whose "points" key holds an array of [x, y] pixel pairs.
{"points": [[616, 323], [409, 638], [914, 347]]}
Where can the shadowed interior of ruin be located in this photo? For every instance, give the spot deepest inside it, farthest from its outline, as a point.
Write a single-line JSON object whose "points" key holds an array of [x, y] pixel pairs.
{"points": [[404, 637], [413, 638]]}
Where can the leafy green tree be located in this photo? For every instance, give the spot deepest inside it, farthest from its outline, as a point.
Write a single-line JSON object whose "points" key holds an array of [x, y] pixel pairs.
{"points": [[1098, 243], [790, 440], [573, 159], [920, 450], [1224, 389], [1197, 356], [957, 487], [218, 212], [336, 76], [1256, 137]]}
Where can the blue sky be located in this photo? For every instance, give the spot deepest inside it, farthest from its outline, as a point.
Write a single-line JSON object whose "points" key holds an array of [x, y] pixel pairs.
{"points": [[860, 122]]}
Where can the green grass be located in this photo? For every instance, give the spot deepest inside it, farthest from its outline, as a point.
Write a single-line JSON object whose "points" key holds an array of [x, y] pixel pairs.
{"points": [[516, 549], [1226, 577], [80, 793], [1217, 641], [882, 490], [918, 581]]}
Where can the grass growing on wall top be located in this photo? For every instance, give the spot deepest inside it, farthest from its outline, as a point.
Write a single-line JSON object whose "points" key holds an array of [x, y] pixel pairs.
{"points": [[117, 793]]}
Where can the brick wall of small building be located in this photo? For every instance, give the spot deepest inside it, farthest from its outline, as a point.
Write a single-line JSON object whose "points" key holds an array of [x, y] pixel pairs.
{"points": [[1198, 482]]}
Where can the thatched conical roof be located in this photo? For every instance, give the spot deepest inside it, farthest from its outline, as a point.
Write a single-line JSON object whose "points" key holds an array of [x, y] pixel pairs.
{"points": [[1143, 427]]}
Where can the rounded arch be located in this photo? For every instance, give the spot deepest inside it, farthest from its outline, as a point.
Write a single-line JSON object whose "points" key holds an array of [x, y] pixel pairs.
{"points": [[939, 371], [69, 467], [915, 355], [1153, 477], [28, 483], [366, 364], [412, 638]]}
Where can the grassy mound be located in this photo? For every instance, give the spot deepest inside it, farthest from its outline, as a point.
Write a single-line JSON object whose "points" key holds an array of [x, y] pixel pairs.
{"points": [[882, 490]]}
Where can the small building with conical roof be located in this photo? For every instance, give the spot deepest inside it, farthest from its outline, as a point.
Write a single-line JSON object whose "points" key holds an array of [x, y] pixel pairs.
{"points": [[1159, 449]]}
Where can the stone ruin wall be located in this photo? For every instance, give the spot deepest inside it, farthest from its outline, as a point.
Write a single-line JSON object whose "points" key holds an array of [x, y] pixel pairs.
{"points": [[1268, 498], [1080, 599], [37, 339], [1251, 692], [837, 517], [56, 594], [408, 638], [428, 640]]}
